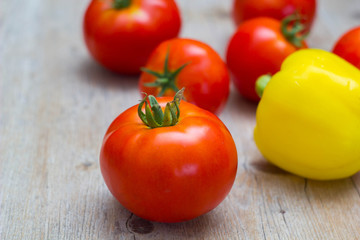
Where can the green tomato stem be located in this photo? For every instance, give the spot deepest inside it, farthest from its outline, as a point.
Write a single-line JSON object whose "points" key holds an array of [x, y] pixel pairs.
{"points": [[165, 80], [154, 117], [121, 4], [293, 29]]}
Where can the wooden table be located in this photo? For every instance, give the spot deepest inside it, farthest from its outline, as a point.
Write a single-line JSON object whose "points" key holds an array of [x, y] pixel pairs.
{"points": [[56, 103]]}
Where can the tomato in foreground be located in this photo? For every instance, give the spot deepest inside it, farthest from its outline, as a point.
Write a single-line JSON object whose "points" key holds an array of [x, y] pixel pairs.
{"points": [[258, 47], [348, 47], [168, 165], [188, 63], [279, 9], [121, 34]]}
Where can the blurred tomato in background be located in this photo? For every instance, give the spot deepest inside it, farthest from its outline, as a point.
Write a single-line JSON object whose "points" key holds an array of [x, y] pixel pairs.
{"points": [[188, 63], [121, 34], [258, 47], [278, 9], [348, 46]]}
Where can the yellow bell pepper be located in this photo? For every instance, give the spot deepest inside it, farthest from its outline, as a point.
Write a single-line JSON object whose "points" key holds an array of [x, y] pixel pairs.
{"points": [[308, 119]]}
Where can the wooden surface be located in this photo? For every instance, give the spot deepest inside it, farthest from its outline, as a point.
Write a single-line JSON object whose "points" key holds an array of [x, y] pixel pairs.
{"points": [[56, 103]]}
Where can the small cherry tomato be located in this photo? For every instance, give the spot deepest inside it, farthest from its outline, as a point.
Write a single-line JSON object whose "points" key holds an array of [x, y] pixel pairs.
{"points": [[279, 9], [121, 34], [188, 63], [258, 47], [173, 163], [348, 47]]}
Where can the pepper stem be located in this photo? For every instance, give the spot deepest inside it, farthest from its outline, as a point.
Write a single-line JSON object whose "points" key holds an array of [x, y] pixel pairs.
{"points": [[154, 117], [293, 29], [120, 4], [261, 83]]}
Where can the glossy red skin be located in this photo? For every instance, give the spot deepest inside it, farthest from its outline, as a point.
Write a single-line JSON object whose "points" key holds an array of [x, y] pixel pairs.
{"points": [[169, 174], [206, 77], [258, 47], [247, 9], [122, 40], [348, 46]]}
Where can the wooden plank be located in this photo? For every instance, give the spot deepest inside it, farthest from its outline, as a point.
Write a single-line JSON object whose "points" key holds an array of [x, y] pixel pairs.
{"points": [[56, 104]]}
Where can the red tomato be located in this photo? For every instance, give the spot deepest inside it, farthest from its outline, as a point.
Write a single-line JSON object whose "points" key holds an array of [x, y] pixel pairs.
{"points": [[259, 47], [278, 9], [173, 173], [348, 47], [121, 38], [202, 72]]}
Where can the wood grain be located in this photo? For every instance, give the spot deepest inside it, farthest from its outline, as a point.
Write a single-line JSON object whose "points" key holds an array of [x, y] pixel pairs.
{"points": [[56, 104]]}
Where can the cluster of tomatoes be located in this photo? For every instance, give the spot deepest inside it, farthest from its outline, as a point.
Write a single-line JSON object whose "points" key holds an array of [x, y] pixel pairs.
{"points": [[125, 35], [177, 172]]}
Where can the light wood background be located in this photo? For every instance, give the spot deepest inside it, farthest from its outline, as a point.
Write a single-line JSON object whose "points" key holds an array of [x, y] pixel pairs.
{"points": [[56, 103]]}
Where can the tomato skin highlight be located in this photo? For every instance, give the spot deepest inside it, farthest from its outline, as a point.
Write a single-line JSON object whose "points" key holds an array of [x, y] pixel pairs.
{"points": [[205, 77], [278, 9], [258, 47], [347, 46], [122, 40], [169, 174]]}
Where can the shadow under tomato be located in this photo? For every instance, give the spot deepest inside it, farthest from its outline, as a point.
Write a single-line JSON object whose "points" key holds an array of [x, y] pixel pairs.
{"points": [[94, 74], [201, 227], [115, 217], [239, 106], [121, 221]]}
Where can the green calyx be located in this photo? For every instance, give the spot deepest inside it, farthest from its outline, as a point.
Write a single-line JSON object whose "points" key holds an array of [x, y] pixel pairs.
{"points": [[261, 83], [154, 116], [120, 4], [164, 80], [293, 29]]}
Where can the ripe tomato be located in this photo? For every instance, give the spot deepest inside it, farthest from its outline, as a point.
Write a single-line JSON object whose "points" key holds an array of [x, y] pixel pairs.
{"points": [[120, 34], [188, 63], [278, 9], [258, 47], [171, 173], [348, 48]]}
